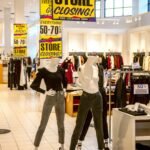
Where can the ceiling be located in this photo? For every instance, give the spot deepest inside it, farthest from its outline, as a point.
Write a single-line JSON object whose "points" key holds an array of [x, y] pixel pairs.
{"points": [[31, 9]]}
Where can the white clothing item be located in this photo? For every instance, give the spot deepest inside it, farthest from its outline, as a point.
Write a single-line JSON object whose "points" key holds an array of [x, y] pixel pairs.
{"points": [[22, 75], [112, 62], [88, 76]]}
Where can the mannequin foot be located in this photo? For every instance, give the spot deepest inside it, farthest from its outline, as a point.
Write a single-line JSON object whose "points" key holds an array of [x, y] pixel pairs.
{"points": [[36, 148], [60, 148], [79, 146]]}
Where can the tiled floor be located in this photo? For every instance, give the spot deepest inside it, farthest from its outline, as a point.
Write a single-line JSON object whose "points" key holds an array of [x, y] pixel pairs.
{"points": [[20, 112]]}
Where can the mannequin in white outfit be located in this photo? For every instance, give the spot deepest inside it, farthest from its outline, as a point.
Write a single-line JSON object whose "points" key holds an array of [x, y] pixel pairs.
{"points": [[90, 100]]}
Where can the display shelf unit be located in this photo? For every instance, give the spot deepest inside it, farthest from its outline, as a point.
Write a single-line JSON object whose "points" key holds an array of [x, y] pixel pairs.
{"points": [[72, 103], [127, 130]]}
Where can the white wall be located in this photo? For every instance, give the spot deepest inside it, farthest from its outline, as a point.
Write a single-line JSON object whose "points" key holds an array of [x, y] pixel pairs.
{"points": [[94, 43], [1, 37], [75, 42]]}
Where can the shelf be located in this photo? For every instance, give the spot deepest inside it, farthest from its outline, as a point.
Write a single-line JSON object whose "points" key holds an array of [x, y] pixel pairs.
{"points": [[142, 138], [143, 132]]}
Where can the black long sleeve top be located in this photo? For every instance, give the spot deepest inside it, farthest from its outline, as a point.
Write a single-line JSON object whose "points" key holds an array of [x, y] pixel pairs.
{"points": [[53, 80]]}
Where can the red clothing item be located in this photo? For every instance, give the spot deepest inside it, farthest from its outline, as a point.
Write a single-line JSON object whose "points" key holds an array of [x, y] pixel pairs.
{"points": [[69, 73]]}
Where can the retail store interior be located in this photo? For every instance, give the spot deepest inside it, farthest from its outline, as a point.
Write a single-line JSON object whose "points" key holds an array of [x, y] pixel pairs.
{"points": [[102, 79]]}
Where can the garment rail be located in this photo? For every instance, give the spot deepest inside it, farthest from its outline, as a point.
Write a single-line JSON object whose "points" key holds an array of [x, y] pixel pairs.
{"points": [[111, 72]]}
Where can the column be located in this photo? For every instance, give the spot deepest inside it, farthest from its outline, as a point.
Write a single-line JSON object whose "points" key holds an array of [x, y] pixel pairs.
{"points": [[126, 49], [7, 31], [19, 11], [147, 43], [102, 8]]}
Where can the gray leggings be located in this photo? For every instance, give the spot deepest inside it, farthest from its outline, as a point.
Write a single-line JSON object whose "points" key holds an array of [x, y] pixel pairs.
{"points": [[58, 101], [87, 102]]}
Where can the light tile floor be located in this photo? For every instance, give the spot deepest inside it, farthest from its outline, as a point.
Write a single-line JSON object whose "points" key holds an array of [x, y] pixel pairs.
{"points": [[20, 111]]}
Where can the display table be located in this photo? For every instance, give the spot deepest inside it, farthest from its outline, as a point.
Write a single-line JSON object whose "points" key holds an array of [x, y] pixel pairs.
{"points": [[72, 102], [127, 130]]}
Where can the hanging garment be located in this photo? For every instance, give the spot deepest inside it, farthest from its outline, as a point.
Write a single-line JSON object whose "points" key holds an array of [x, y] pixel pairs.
{"points": [[120, 93], [138, 97]]}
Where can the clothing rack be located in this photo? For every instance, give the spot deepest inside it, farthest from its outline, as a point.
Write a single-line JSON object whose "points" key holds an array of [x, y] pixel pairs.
{"points": [[111, 72], [77, 53]]}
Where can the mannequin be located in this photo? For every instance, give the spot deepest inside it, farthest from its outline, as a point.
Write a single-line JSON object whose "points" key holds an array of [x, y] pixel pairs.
{"points": [[90, 99], [89, 115], [54, 78]]}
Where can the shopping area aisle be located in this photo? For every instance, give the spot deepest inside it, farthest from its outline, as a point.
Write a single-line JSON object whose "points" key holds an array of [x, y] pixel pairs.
{"points": [[20, 112]]}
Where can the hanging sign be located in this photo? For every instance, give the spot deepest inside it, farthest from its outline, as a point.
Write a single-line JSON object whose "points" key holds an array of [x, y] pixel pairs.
{"points": [[50, 32], [74, 10], [20, 40]]}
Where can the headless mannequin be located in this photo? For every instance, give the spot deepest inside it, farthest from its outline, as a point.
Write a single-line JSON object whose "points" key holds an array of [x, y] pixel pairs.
{"points": [[52, 66], [90, 100], [88, 75]]}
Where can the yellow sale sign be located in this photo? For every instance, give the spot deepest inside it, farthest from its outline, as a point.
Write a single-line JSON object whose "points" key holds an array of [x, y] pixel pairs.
{"points": [[78, 10], [20, 51], [20, 29], [46, 7], [20, 40], [50, 32], [49, 49]]}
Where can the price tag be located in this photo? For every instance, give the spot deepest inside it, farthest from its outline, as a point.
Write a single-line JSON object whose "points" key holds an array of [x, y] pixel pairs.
{"points": [[141, 89]]}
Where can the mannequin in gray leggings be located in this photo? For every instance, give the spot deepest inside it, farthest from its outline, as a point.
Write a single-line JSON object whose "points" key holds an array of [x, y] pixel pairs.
{"points": [[55, 81], [91, 99]]}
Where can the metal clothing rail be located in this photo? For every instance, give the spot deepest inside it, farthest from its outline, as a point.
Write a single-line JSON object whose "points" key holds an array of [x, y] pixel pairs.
{"points": [[111, 72]]}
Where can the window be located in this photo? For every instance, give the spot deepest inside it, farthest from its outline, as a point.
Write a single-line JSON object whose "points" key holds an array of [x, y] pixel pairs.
{"points": [[98, 8], [148, 5], [143, 6], [116, 8]]}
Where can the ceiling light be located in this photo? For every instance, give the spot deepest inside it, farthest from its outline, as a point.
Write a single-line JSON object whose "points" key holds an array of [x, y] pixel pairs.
{"points": [[97, 22], [83, 22]]}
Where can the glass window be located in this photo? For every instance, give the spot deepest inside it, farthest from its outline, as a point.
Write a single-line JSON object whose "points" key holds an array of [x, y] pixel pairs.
{"points": [[109, 4], [143, 6], [118, 12], [127, 3], [109, 13], [98, 5], [98, 13], [127, 11], [118, 3]]}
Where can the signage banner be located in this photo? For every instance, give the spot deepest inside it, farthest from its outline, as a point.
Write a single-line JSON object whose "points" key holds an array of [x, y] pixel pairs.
{"points": [[74, 10], [50, 32], [20, 40]]}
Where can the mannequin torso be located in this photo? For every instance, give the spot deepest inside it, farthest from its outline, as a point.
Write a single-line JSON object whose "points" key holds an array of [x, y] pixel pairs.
{"points": [[88, 76]]}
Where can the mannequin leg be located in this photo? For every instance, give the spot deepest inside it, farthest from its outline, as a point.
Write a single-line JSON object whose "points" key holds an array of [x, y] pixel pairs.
{"points": [[47, 108], [86, 126], [84, 130], [85, 104], [97, 110], [60, 114]]}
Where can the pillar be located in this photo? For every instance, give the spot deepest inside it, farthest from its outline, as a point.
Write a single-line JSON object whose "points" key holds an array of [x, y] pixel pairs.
{"points": [[19, 11], [7, 31]]}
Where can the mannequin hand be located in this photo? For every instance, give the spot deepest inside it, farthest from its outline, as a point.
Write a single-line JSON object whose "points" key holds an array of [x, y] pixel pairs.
{"points": [[50, 92]]}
